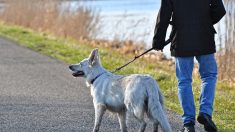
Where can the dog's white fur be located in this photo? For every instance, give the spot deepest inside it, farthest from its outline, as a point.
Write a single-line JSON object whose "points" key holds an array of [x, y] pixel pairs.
{"points": [[135, 93]]}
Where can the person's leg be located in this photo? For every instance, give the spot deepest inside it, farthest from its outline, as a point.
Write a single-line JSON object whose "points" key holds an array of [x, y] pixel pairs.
{"points": [[208, 73], [184, 68]]}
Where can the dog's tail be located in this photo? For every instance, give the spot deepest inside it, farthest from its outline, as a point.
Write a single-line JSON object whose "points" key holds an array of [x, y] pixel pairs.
{"points": [[156, 107]]}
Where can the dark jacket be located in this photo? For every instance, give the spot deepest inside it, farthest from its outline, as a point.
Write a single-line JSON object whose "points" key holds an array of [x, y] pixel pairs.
{"points": [[192, 20]]}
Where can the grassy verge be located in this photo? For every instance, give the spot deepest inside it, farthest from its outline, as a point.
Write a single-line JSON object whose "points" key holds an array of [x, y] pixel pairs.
{"points": [[71, 51]]}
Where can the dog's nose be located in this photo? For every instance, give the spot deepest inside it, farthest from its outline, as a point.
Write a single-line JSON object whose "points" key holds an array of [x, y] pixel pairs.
{"points": [[70, 67]]}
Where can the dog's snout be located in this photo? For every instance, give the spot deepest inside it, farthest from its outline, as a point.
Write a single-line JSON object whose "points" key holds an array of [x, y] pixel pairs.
{"points": [[71, 67]]}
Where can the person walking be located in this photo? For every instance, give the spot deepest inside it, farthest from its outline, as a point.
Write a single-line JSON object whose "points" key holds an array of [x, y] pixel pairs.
{"points": [[192, 37]]}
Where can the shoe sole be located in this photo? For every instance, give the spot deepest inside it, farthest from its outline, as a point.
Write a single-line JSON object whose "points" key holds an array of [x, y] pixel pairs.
{"points": [[206, 126]]}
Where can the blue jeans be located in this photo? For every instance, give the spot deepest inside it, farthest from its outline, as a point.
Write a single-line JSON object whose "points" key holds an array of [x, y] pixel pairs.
{"points": [[208, 74]]}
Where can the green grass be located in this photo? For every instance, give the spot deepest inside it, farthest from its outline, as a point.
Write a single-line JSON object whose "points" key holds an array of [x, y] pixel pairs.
{"points": [[71, 51]]}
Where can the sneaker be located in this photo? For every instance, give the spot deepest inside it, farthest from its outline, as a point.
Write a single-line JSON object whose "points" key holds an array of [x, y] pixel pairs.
{"points": [[206, 120], [188, 128]]}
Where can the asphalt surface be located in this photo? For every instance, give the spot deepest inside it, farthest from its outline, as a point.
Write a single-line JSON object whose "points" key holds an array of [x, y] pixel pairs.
{"points": [[38, 94]]}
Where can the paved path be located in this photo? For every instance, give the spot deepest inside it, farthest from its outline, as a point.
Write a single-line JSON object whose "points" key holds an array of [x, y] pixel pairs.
{"points": [[38, 93]]}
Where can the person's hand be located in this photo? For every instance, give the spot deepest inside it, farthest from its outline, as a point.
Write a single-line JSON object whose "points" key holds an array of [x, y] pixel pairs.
{"points": [[156, 46]]}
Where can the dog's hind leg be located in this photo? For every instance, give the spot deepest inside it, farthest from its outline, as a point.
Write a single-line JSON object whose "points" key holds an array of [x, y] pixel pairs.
{"points": [[142, 125], [99, 112], [122, 121], [155, 126], [139, 114], [155, 122]]}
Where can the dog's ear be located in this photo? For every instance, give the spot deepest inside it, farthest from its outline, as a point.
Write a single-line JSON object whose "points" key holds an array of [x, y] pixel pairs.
{"points": [[94, 57]]}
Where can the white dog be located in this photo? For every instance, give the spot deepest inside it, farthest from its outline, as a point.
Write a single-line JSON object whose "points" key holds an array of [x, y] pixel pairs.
{"points": [[138, 94]]}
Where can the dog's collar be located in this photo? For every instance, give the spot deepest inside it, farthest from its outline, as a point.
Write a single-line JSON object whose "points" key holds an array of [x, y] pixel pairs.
{"points": [[93, 80]]}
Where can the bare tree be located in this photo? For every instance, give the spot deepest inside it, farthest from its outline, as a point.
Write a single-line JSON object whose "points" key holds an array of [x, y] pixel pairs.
{"points": [[226, 36]]}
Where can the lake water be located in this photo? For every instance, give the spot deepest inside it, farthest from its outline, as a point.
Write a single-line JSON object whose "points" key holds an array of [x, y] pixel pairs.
{"points": [[126, 19]]}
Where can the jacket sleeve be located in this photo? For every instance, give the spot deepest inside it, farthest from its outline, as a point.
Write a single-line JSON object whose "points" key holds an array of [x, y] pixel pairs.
{"points": [[163, 20], [217, 10]]}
